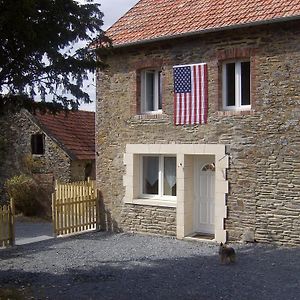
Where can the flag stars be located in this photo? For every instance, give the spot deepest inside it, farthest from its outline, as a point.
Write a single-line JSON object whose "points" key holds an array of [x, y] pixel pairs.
{"points": [[182, 79]]}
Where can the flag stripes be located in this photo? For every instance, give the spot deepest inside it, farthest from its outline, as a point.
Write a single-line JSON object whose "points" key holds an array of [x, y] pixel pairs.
{"points": [[190, 94]]}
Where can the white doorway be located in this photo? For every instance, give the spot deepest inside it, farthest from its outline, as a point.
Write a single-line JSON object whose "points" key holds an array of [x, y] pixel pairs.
{"points": [[204, 197]]}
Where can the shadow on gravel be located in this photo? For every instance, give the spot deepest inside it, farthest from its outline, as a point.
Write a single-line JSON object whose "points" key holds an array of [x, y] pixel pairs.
{"points": [[259, 273], [26, 250]]}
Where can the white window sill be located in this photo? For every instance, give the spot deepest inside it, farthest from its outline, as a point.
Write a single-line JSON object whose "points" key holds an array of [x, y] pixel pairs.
{"points": [[237, 108], [235, 112], [153, 202], [155, 117], [152, 112]]}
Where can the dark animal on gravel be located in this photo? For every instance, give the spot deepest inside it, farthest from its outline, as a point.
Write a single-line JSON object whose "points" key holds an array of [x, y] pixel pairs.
{"points": [[227, 254]]}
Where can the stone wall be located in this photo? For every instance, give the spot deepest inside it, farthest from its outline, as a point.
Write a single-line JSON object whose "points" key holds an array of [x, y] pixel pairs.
{"points": [[145, 219], [16, 130], [82, 169], [263, 143]]}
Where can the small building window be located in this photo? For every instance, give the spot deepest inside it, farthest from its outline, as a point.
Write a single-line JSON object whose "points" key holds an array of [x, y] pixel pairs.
{"points": [[38, 144], [151, 91], [236, 85], [158, 176]]}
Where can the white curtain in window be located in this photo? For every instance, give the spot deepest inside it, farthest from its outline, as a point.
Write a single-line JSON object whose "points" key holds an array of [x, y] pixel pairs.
{"points": [[151, 169], [170, 170]]}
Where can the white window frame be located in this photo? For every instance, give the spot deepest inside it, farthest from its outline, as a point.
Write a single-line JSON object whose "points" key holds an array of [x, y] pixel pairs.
{"points": [[157, 88], [238, 86], [160, 195]]}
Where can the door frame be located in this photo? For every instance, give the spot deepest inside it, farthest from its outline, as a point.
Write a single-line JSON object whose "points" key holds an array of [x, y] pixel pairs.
{"points": [[184, 181], [198, 170]]}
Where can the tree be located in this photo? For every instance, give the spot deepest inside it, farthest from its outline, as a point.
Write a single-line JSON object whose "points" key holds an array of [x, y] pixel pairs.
{"points": [[34, 57]]}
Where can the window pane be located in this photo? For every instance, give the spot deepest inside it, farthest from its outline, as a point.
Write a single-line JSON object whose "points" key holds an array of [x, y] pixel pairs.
{"points": [[230, 84], [150, 175], [170, 176], [245, 83], [149, 91], [37, 144], [159, 90]]}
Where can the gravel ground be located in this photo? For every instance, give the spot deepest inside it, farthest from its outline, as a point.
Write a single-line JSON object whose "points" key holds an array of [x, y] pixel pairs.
{"points": [[28, 231], [131, 266]]}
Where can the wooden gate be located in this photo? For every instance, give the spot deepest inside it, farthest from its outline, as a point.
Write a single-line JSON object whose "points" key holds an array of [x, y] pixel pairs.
{"points": [[75, 207], [7, 228]]}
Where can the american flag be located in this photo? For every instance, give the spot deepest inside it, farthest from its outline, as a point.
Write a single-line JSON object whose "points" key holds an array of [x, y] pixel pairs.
{"points": [[190, 94]]}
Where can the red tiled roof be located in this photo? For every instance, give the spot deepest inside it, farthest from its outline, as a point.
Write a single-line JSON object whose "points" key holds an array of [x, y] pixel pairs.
{"points": [[158, 19], [74, 132]]}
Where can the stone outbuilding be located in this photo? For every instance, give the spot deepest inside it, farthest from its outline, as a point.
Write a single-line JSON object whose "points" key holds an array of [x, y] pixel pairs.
{"points": [[51, 147], [197, 120]]}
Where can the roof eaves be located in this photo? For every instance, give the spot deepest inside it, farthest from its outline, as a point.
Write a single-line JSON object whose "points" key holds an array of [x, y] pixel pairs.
{"points": [[209, 30]]}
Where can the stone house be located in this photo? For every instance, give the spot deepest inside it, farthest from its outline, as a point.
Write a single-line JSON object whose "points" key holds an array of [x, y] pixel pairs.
{"points": [[52, 147], [197, 120]]}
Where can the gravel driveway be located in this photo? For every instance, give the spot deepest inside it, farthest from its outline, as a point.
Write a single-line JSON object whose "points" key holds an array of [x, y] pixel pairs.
{"points": [[29, 232], [126, 266]]}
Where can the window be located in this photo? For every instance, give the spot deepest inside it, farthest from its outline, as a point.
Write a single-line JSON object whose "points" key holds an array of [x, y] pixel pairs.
{"points": [[151, 92], [158, 176], [236, 85], [37, 144]]}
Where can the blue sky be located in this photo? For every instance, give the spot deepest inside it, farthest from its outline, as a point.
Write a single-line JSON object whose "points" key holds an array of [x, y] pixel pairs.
{"points": [[113, 10]]}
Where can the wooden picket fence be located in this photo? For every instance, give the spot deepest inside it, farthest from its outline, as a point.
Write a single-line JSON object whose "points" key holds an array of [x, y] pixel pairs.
{"points": [[75, 207], [7, 228]]}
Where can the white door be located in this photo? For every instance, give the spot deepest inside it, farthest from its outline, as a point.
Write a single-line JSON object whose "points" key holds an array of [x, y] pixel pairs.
{"points": [[205, 199]]}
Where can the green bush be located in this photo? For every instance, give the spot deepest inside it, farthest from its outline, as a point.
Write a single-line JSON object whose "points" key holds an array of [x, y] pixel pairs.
{"points": [[26, 194], [31, 165]]}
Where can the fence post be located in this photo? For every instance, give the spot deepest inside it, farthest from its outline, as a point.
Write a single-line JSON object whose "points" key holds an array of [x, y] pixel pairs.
{"points": [[12, 223], [98, 220], [54, 221]]}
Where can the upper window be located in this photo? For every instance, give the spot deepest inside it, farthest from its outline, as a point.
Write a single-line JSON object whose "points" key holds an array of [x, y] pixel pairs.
{"points": [[37, 144], [158, 176], [236, 85], [151, 91]]}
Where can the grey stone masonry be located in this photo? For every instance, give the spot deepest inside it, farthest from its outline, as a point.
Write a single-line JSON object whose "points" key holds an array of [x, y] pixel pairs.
{"points": [[263, 143], [16, 130], [145, 219]]}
